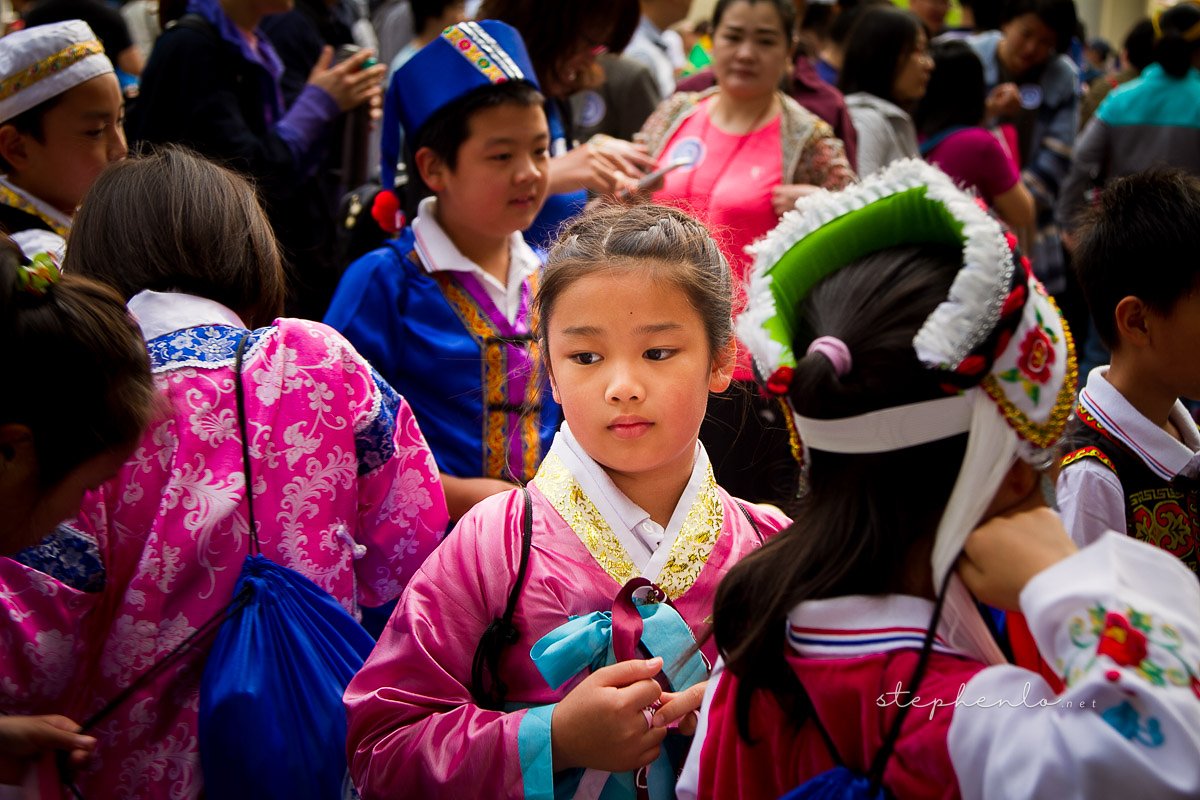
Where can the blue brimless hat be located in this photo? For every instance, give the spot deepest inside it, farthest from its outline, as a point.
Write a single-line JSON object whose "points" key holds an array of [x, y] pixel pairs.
{"points": [[462, 58]]}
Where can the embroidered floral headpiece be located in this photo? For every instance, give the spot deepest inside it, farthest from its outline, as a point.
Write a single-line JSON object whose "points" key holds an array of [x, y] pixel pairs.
{"points": [[997, 342], [997, 329]]}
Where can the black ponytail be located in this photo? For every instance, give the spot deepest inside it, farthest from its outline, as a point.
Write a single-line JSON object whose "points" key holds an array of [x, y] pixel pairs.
{"points": [[1179, 39]]}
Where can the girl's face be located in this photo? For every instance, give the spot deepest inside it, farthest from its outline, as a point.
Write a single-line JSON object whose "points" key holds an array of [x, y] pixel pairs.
{"points": [[912, 73], [750, 49], [631, 365]]}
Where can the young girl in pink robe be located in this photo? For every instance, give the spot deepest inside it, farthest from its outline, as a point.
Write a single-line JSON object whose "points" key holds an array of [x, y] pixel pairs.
{"points": [[635, 329], [346, 492]]}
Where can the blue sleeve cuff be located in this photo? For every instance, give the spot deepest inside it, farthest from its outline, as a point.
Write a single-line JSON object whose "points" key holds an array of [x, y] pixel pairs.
{"points": [[306, 120], [537, 753]]}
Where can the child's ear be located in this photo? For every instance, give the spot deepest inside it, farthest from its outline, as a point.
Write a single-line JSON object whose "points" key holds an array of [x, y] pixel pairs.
{"points": [[553, 383], [432, 168], [12, 147], [1132, 321], [721, 373]]}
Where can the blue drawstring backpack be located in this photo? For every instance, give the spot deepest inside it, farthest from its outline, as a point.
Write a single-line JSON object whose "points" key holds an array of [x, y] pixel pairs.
{"points": [[272, 723]]}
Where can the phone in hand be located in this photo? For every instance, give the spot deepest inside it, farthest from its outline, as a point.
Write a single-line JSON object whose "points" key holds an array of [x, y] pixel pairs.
{"points": [[652, 178]]}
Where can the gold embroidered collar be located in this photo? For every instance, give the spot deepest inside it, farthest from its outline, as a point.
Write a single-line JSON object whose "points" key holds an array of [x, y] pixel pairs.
{"points": [[689, 552]]}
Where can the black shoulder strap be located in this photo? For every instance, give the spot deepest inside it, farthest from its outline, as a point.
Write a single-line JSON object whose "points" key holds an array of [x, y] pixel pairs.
{"points": [[750, 519], [501, 632], [195, 22]]}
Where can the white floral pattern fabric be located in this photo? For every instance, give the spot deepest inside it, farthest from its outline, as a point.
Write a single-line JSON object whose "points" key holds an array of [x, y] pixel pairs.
{"points": [[345, 492]]}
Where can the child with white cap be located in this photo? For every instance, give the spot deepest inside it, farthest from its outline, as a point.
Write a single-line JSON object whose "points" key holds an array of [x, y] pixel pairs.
{"points": [[61, 124]]}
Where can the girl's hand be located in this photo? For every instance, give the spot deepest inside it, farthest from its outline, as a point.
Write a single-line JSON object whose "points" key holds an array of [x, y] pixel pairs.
{"points": [[784, 196], [24, 739], [602, 723], [348, 83], [1004, 553], [683, 706]]}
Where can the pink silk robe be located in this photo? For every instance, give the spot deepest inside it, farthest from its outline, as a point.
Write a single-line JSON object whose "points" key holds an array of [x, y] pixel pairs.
{"points": [[346, 493], [413, 725]]}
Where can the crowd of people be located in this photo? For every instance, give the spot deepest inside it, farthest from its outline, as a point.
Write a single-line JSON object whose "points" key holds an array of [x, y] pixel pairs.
{"points": [[794, 404]]}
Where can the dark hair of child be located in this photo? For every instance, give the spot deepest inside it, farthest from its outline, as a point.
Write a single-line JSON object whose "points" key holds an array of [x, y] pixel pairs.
{"points": [[844, 22], [77, 371], [1057, 15], [29, 122], [956, 93], [1139, 45], [171, 221], [988, 14], [866, 523], [450, 126], [1172, 51], [662, 243], [882, 38], [1139, 240], [553, 30], [425, 10]]}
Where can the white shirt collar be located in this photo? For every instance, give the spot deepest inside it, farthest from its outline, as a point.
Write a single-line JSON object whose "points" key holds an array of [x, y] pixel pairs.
{"points": [[860, 625], [647, 542], [160, 313], [1162, 453], [439, 254]]}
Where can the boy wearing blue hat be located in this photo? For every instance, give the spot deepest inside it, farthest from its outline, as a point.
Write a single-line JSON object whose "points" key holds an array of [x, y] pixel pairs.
{"points": [[443, 311], [61, 124]]}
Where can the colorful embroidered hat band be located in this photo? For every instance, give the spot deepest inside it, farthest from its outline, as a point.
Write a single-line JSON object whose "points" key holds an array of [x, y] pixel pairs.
{"points": [[44, 61]]}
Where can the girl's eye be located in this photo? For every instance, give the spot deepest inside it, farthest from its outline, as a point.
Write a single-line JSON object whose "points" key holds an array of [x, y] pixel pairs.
{"points": [[659, 353], [584, 358]]}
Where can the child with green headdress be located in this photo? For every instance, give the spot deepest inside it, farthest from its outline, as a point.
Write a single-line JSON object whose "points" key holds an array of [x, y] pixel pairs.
{"points": [[929, 377]]}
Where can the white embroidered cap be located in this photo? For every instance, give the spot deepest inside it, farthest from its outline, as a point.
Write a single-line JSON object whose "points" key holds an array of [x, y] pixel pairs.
{"points": [[42, 62]]}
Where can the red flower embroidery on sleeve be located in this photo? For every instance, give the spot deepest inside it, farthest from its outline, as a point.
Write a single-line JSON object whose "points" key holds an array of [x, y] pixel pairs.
{"points": [[1121, 642]]}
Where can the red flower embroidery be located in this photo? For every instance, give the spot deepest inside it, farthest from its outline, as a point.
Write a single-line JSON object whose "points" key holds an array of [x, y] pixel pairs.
{"points": [[779, 381], [1195, 686], [1122, 642], [1036, 356]]}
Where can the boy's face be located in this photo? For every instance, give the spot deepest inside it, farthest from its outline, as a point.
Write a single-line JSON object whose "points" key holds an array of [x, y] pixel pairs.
{"points": [[1028, 43], [502, 174], [81, 135], [1173, 338]]}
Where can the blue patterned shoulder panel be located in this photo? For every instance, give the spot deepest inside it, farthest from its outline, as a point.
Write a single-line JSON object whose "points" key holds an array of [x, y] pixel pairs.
{"points": [[205, 346], [69, 556], [375, 443]]}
